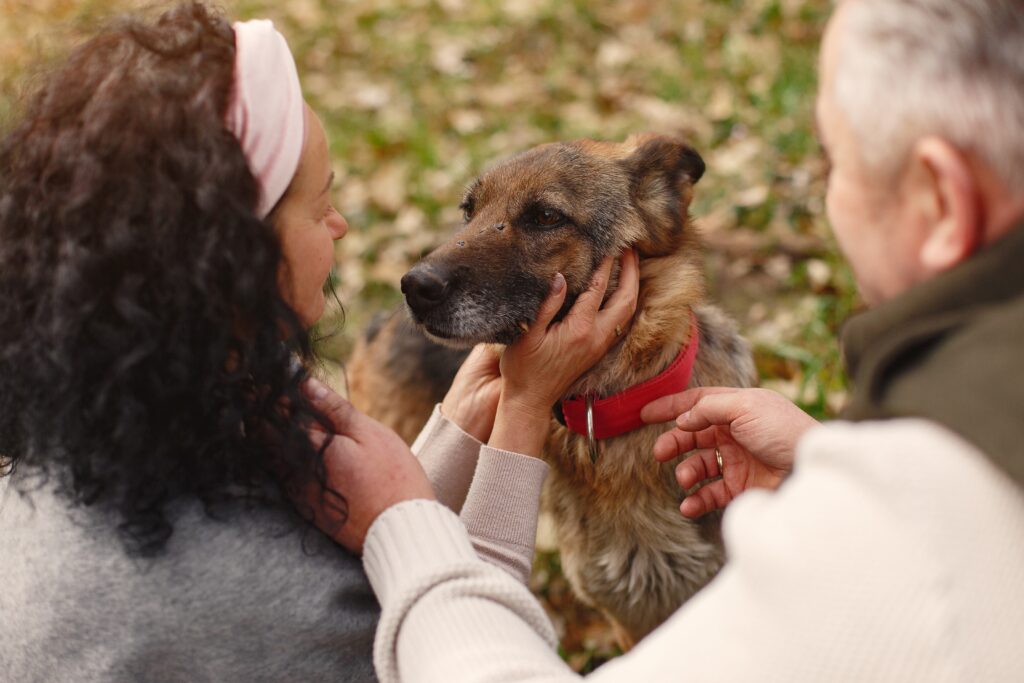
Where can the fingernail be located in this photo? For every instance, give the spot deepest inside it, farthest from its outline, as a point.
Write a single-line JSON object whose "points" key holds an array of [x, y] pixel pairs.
{"points": [[559, 284], [682, 419], [317, 389]]}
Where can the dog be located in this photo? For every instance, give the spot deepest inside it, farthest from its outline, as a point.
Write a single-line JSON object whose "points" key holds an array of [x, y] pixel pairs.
{"points": [[564, 207]]}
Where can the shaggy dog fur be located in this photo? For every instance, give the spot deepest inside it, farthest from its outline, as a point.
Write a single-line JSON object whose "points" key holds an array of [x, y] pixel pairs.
{"points": [[562, 208]]}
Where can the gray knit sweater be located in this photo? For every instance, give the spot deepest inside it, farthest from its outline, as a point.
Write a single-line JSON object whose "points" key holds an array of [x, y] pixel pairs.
{"points": [[258, 597]]}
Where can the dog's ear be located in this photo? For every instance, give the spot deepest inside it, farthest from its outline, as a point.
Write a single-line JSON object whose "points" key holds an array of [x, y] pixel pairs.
{"points": [[663, 170]]}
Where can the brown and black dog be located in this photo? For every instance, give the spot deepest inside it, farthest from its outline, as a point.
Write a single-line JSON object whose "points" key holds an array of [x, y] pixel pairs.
{"points": [[563, 207]]}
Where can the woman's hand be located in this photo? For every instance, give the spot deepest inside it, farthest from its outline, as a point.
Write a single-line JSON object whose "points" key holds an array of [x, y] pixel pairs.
{"points": [[367, 463], [754, 430], [472, 399], [541, 365]]}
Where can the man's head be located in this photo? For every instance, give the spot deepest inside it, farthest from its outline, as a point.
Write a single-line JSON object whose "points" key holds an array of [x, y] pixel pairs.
{"points": [[922, 113]]}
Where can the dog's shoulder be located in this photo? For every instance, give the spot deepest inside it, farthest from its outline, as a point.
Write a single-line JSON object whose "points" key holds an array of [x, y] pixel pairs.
{"points": [[725, 357]]}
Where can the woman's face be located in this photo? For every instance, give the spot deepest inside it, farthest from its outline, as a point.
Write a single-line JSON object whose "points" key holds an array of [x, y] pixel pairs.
{"points": [[308, 225]]}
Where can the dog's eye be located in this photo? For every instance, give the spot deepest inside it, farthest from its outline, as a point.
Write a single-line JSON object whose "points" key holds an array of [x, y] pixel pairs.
{"points": [[549, 218], [467, 210]]}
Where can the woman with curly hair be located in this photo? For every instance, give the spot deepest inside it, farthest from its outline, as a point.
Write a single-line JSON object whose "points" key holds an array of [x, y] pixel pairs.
{"points": [[165, 234]]}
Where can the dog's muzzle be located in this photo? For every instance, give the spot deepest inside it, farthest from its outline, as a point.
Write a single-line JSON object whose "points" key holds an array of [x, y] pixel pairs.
{"points": [[425, 288]]}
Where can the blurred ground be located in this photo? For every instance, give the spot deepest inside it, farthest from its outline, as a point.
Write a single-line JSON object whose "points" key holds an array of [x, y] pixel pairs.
{"points": [[418, 96]]}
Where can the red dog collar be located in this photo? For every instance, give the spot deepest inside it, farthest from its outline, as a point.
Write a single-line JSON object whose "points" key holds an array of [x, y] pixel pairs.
{"points": [[620, 413]]}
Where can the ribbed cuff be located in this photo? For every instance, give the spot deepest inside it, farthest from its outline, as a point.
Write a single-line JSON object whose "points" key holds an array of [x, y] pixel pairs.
{"points": [[412, 539], [439, 426], [448, 455], [504, 498]]}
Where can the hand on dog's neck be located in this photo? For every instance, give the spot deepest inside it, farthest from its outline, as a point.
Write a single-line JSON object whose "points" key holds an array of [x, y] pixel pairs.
{"points": [[670, 286]]}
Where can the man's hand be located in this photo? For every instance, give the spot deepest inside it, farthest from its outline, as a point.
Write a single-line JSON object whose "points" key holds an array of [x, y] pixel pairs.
{"points": [[367, 463], [754, 430], [472, 399]]}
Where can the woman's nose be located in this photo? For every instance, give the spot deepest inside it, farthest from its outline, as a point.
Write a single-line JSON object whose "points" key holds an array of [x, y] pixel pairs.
{"points": [[338, 226]]}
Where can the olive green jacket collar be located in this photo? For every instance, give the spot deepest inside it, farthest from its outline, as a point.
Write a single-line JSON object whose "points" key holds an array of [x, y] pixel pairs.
{"points": [[950, 350]]}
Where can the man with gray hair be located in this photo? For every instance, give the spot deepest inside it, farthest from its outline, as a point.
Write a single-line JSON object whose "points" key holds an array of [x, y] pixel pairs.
{"points": [[894, 549]]}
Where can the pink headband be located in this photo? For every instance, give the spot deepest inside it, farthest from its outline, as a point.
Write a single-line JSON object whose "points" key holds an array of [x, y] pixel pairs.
{"points": [[266, 112]]}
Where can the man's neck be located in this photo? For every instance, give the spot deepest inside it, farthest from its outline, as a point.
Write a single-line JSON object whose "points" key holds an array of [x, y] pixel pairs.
{"points": [[1004, 205]]}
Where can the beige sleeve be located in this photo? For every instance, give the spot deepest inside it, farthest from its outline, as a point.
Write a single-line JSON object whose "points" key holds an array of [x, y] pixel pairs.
{"points": [[448, 456], [833, 578], [502, 507], [421, 563], [497, 492]]}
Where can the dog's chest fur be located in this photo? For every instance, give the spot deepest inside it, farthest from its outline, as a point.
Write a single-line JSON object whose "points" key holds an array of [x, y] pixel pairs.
{"points": [[625, 547]]}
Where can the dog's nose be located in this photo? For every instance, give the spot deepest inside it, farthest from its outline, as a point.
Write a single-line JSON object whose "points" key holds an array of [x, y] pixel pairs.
{"points": [[424, 288]]}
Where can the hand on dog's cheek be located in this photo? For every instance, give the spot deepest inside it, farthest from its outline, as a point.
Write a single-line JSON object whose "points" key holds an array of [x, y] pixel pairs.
{"points": [[540, 367], [472, 400], [365, 462]]}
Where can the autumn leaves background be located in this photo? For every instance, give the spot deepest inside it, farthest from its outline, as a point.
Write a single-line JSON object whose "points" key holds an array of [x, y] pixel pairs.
{"points": [[419, 96]]}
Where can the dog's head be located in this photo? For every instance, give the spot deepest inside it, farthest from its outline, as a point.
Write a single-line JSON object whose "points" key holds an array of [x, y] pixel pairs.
{"points": [[560, 207]]}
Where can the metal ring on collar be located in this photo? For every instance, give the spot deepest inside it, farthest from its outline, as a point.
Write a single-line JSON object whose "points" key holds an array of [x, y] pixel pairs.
{"points": [[591, 441]]}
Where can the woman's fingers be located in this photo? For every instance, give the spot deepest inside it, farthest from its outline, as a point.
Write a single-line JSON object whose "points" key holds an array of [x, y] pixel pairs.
{"points": [[552, 304], [621, 305], [588, 303], [342, 415], [483, 359], [629, 281]]}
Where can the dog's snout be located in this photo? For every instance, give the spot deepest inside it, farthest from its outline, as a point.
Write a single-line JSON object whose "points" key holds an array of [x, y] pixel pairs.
{"points": [[424, 288]]}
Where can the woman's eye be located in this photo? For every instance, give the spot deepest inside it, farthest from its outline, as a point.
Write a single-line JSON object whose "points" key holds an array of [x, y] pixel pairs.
{"points": [[549, 218]]}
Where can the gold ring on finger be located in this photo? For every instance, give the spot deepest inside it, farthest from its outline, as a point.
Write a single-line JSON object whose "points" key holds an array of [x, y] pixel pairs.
{"points": [[718, 459]]}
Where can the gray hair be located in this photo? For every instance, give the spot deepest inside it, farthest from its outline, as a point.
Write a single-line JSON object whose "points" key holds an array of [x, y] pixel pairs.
{"points": [[950, 68]]}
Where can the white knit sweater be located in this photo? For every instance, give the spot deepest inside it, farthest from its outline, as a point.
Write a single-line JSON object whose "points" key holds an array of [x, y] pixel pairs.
{"points": [[895, 552]]}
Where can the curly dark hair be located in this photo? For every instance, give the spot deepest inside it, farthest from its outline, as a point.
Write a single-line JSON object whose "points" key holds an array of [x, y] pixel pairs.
{"points": [[146, 352]]}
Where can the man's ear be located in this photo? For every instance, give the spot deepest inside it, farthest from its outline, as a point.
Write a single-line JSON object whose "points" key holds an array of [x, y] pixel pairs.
{"points": [[949, 195], [663, 171]]}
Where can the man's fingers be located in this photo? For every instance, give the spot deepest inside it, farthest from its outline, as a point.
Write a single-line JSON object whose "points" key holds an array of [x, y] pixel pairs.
{"points": [[672, 444], [668, 408], [714, 496], [700, 466], [713, 408]]}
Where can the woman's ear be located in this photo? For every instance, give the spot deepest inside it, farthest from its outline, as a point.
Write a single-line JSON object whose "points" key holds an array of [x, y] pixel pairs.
{"points": [[951, 197]]}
